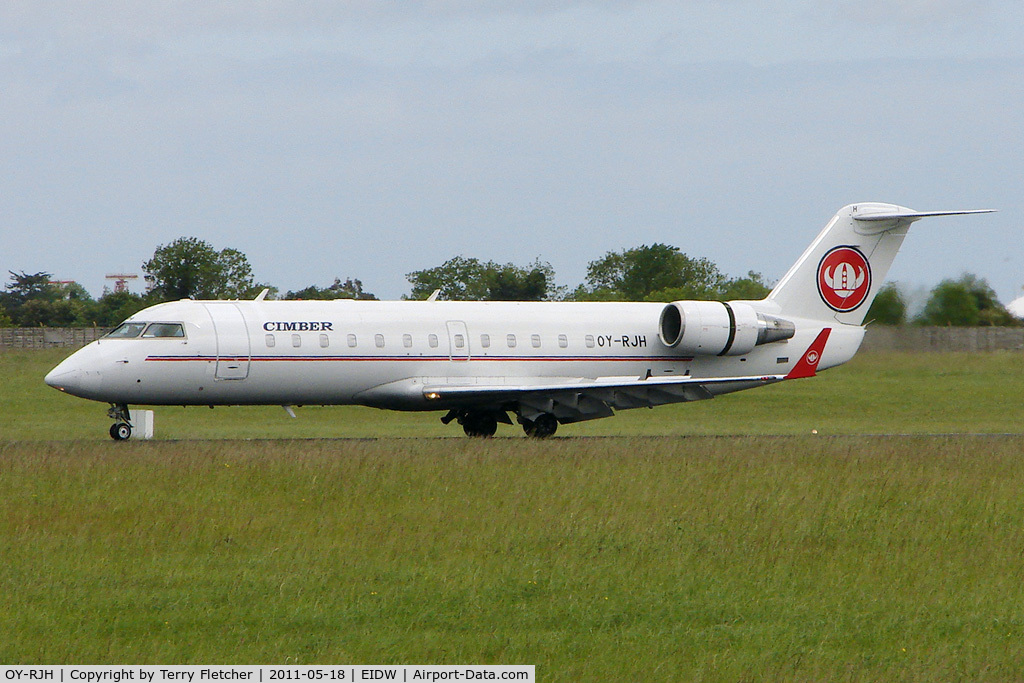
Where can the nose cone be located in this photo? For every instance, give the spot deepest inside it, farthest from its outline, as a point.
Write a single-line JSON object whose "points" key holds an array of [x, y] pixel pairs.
{"points": [[64, 379], [75, 376]]}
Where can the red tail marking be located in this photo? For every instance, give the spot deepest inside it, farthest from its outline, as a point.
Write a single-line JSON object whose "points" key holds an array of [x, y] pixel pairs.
{"points": [[807, 366]]}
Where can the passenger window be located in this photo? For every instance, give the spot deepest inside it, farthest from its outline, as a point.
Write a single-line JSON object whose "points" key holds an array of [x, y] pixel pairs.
{"points": [[432, 340], [163, 330], [407, 341], [535, 340], [324, 341], [460, 341], [511, 341], [563, 341], [271, 341], [352, 341], [126, 331], [296, 340], [590, 341], [485, 341], [378, 339]]}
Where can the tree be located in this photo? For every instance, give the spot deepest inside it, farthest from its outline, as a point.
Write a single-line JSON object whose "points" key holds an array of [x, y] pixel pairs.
{"points": [[21, 289], [965, 302], [660, 272], [752, 287], [889, 306], [469, 279], [459, 279], [349, 289], [114, 307], [189, 268], [657, 271], [24, 287], [34, 300], [509, 282], [39, 312]]}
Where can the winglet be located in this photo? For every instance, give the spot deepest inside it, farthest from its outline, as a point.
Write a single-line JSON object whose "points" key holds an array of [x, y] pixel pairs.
{"points": [[807, 366]]}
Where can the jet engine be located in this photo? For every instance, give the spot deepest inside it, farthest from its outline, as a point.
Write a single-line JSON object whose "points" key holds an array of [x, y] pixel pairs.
{"points": [[719, 328]]}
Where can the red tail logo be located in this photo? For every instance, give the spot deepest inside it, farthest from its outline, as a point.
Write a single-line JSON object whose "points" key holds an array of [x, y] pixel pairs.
{"points": [[844, 278]]}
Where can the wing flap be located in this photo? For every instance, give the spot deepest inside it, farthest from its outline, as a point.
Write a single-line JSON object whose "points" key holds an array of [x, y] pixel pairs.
{"points": [[582, 384], [578, 399]]}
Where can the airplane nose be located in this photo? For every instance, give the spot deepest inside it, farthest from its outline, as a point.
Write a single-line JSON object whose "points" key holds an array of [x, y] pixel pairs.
{"points": [[64, 380], [73, 378]]}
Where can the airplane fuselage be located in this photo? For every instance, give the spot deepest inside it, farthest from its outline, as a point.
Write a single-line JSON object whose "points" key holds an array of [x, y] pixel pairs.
{"points": [[350, 352]]}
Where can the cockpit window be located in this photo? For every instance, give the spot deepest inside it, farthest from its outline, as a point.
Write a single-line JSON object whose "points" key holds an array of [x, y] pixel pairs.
{"points": [[163, 330], [126, 331]]}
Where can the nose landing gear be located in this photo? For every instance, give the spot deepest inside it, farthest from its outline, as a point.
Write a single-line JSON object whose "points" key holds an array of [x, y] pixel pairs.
{"points": [[121, 430]]}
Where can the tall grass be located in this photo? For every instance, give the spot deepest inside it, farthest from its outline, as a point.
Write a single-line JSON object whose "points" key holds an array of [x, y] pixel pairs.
{"points": [[795, 558]]}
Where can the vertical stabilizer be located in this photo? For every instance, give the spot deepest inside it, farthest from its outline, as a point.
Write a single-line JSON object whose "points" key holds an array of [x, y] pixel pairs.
{"points": [[837, 277]]}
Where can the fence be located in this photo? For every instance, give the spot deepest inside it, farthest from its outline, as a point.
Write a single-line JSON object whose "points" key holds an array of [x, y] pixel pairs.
{"points": [[878, 338], [48, 337], [933, 339]]}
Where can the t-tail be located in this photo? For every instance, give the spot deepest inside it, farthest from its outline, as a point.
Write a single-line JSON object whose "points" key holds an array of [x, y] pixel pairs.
{"points": [[837, 277]]}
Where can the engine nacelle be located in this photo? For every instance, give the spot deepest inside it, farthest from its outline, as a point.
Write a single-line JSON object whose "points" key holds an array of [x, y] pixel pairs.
{"points": [[716, 328]]}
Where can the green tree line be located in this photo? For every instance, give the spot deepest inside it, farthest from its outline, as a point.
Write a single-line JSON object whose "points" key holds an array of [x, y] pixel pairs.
{"points": [[192, 268]]}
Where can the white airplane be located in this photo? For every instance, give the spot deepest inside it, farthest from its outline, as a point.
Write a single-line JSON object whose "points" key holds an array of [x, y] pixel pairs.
{"points": [[547, 363]]}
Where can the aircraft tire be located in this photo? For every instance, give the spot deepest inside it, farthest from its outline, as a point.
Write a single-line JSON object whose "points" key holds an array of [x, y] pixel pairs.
{"points": [[480, 424], [544, 426], [120, 431]]}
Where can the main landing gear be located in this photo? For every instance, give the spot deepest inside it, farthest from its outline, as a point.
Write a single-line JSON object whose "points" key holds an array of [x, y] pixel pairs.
{"points": [[121, 430], [485, 423], [542, 427], [476, 422], [479, 424]]}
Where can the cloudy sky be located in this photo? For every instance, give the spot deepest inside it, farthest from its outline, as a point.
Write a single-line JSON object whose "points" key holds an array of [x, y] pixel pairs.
{"points": [[369, 139]]}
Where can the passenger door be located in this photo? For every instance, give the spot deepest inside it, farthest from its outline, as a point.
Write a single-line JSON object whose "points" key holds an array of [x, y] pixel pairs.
{"points": [[233, 348]]}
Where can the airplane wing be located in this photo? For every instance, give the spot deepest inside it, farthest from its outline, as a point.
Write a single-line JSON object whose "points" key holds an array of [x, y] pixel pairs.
{"points": [[578, 399]]}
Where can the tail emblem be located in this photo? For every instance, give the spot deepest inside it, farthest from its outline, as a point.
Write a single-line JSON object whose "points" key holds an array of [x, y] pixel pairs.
{"points": [[844, 278]]}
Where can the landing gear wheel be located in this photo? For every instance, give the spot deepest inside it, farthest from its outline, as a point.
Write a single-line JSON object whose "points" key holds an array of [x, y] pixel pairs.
{"points": [[479, 424], [120, 431], [544, 426]]}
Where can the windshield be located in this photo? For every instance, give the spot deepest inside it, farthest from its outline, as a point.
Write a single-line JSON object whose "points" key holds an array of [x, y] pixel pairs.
{"points": [[126, 331], [164, 330]]}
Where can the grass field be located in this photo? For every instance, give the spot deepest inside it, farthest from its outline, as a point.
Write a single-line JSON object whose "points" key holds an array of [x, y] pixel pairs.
{"points": [[770, 555]]}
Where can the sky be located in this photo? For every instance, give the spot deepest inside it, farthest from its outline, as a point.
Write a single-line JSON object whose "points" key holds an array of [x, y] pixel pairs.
{"points": [[368, 139]]}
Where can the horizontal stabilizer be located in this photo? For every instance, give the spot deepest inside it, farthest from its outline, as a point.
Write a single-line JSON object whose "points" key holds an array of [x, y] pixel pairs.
{"points": [[914, 215]]}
